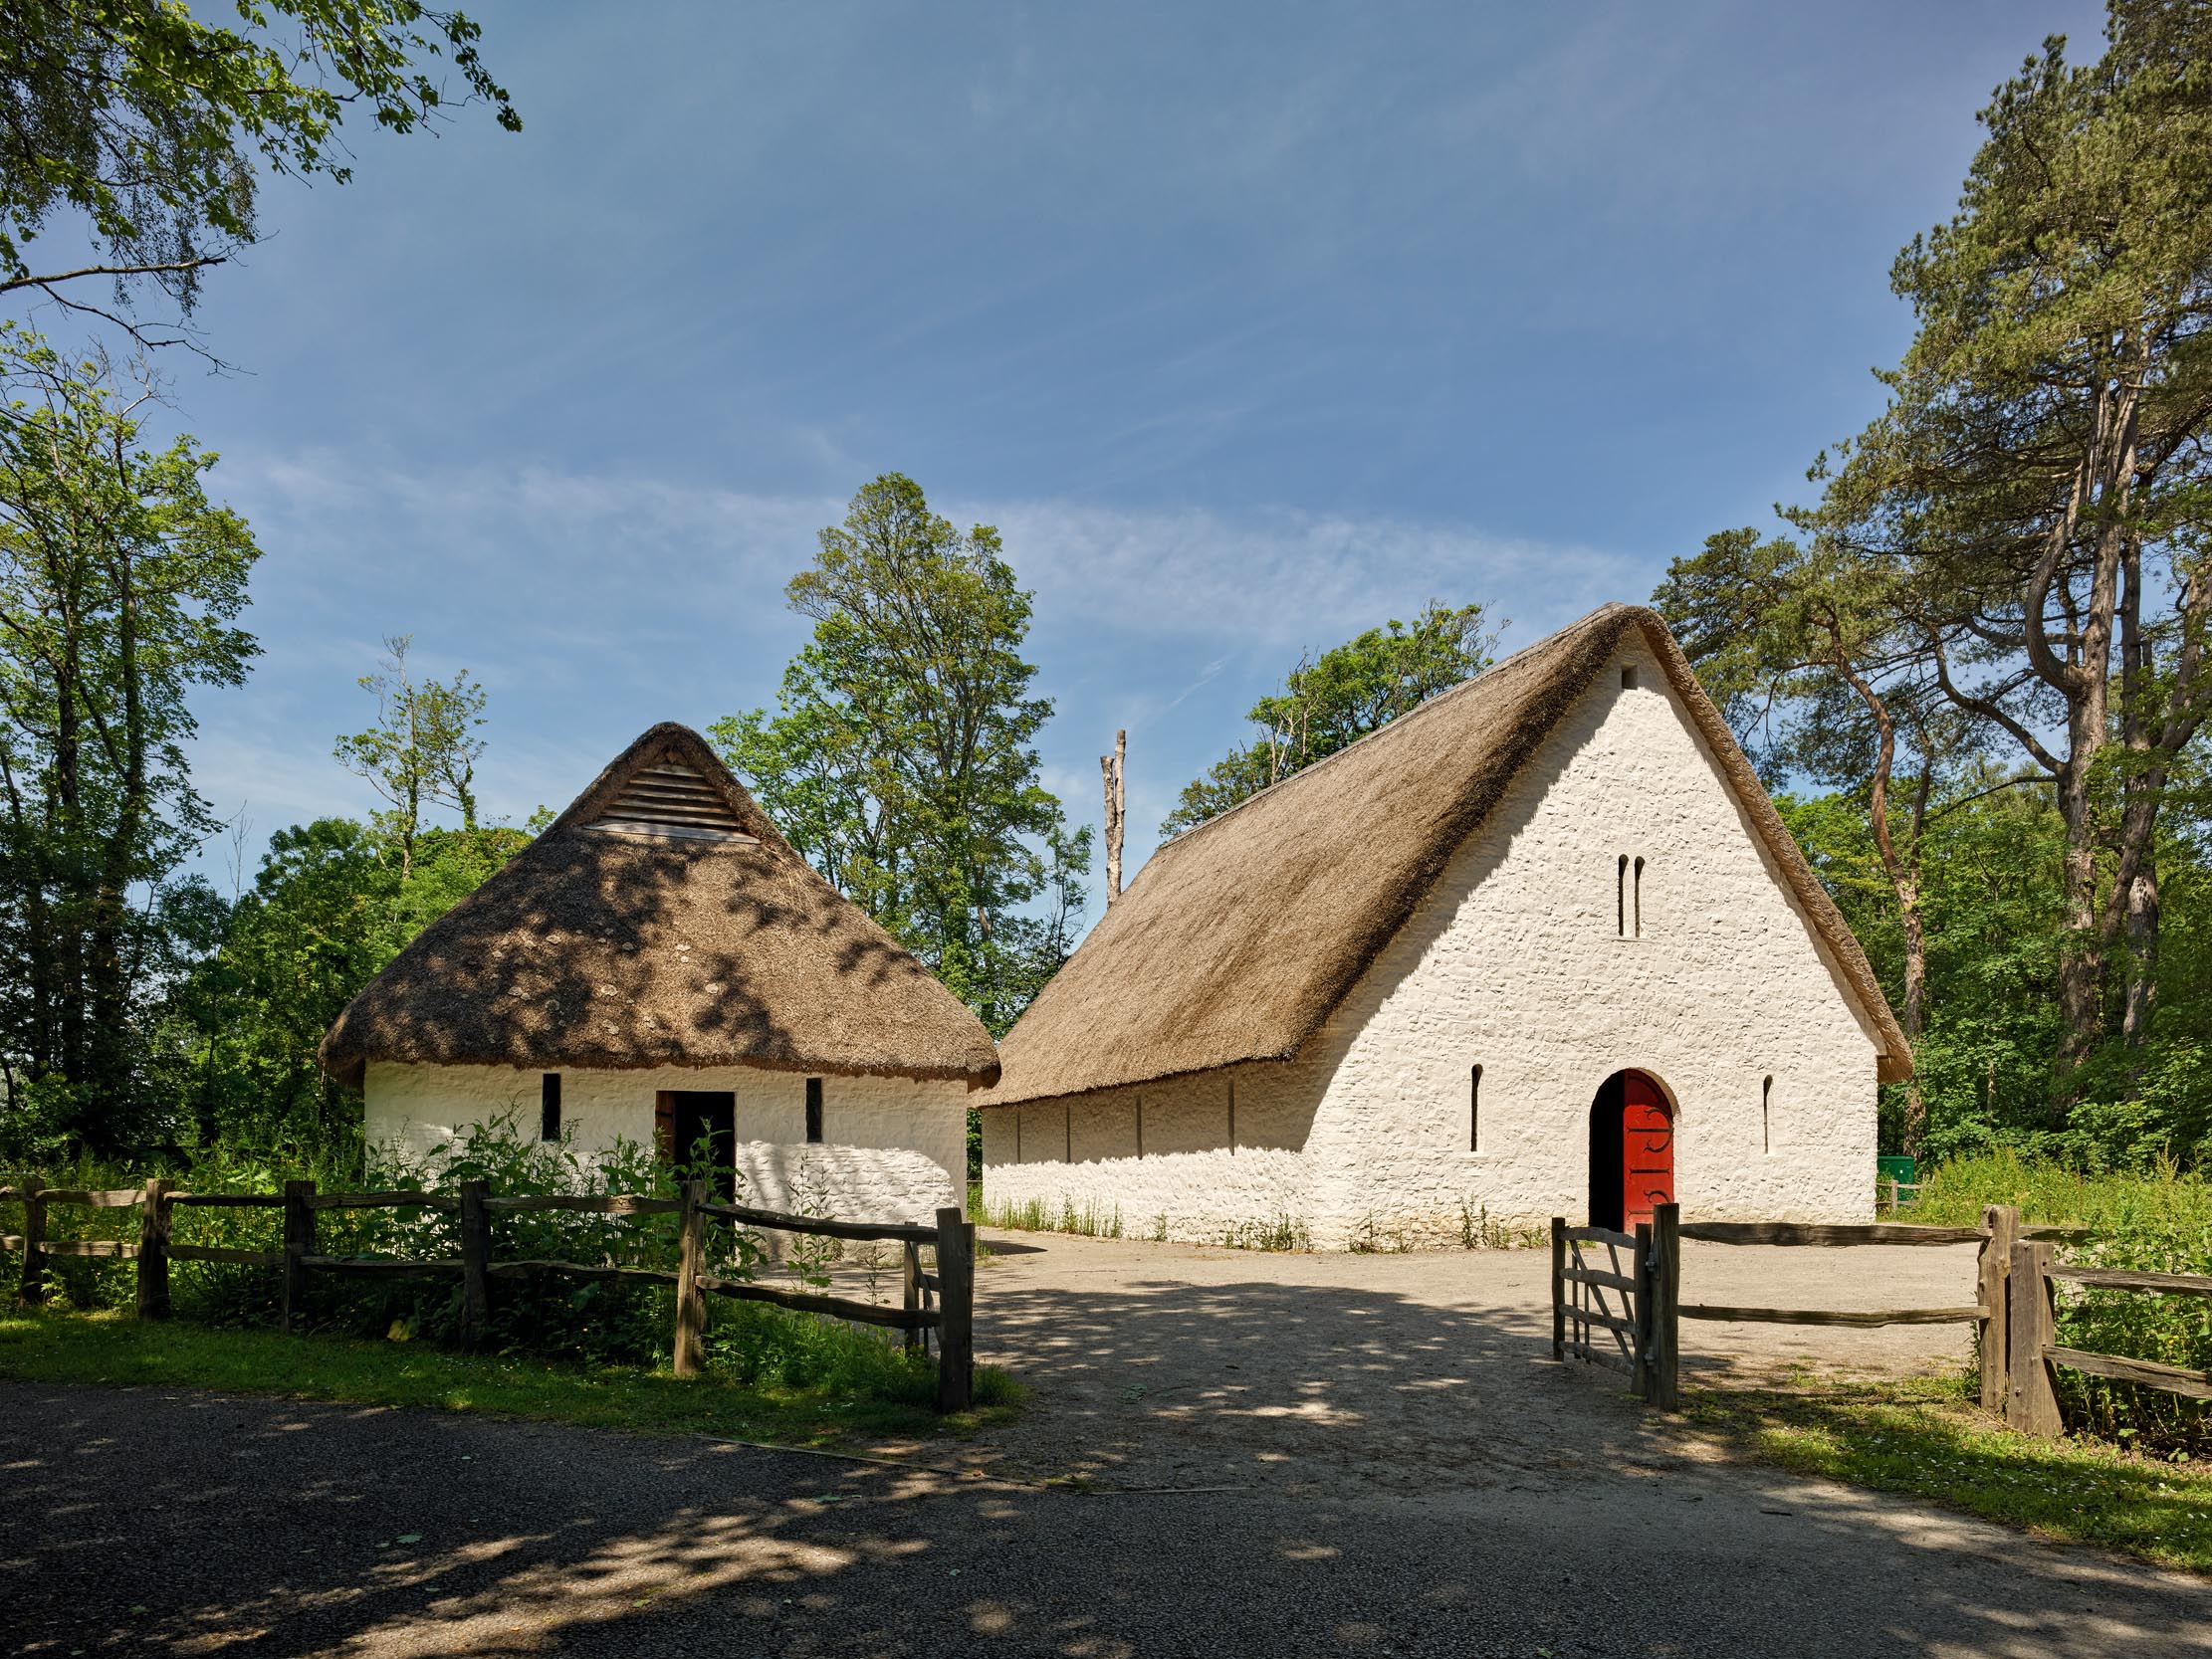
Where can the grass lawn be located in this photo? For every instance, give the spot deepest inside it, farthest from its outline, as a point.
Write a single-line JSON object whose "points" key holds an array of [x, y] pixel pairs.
{"points": [[1925, 1437], [42, 1345]]}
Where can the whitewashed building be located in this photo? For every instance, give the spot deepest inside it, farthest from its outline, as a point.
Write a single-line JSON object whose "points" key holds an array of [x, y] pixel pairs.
{"points": [[661, 966], [1541, 946]]}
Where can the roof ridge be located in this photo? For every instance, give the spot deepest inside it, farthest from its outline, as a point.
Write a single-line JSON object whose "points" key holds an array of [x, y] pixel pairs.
{"points": [[1396, 720]]}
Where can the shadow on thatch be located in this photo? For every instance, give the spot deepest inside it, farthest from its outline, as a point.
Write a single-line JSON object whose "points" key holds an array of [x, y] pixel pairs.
{"points": [[593, 949]]}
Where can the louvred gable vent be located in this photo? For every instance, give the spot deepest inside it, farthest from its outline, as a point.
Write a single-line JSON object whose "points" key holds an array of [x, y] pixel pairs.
{"points": [[672, 800]]}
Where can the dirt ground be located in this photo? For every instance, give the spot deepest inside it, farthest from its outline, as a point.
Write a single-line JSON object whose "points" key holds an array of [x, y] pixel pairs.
{"points": [[1179, 1365]]}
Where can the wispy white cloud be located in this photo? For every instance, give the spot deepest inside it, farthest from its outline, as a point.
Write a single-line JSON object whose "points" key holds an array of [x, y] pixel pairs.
{"points": [[592, 604]]}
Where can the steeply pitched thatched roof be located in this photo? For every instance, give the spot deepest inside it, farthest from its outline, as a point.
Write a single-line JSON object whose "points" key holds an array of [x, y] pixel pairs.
{"points": [[1243, 935], [661, 921]]}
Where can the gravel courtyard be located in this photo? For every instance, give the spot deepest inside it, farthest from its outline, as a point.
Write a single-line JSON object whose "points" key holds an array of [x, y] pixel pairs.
{"points": [[1164, 1365], [1355, 1456]]}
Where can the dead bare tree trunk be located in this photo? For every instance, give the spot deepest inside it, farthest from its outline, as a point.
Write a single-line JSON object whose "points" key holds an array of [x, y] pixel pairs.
{"points": [[1117, 801]]}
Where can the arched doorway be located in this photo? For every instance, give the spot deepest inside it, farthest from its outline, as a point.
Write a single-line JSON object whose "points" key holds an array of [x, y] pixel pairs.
{"points": [[1632, 1150]]}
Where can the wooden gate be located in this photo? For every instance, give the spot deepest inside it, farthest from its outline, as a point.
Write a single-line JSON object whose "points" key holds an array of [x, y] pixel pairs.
{"points": [[1586, 1321]]}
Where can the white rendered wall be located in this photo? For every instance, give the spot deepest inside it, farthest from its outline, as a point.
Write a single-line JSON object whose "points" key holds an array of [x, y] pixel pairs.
{"points": [[1515, 963], [892, 1148]]}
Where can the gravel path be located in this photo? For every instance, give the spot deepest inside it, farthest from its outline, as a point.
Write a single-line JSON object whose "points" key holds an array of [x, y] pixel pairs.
{"points": [[1159, 1364], [1408, 1475], [137, 1522]]}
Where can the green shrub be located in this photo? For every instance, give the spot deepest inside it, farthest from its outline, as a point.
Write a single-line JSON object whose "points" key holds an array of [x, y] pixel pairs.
{"points": [[548, 1315], [2156, 1221]]}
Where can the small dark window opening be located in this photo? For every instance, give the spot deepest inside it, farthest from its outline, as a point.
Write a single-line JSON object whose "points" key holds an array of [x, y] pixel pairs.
{"points": [[1475, 1109], [1628, 677], [813, 1111], [548, 1107], [1621, 899], [1766, 1113], [1638, 898]]}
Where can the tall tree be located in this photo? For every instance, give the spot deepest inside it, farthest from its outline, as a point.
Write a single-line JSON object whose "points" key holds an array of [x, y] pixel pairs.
{"points": [[1821, 677], [2039, 475], [1338, 697], [423, 749], [150, 123], [121, 585], [901, 759]]}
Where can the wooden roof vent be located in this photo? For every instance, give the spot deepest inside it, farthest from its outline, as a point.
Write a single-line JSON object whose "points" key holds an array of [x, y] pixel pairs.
{"points": [[673, 800]]}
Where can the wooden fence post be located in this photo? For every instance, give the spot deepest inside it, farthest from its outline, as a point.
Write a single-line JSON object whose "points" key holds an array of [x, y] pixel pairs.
{"points": [[476, 1264], [1558, 1287], [690, 1302], [299, 1244], [1664, 1373], [153, 1250], [955, 1311], [2032, 1405], [2001, 1222], [34, 1236], [1645, 1312], [913, 1273]]}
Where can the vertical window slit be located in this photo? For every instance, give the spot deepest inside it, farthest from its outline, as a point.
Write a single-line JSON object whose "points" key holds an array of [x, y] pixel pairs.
{"points": [[1766, 1113], [813, 1111], [1475, 1109], [1639, 899], [548, 1107], [1621, 899]]}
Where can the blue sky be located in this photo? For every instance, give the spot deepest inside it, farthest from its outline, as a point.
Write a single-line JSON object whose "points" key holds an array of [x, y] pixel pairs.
{"points": [[1250, 326]]}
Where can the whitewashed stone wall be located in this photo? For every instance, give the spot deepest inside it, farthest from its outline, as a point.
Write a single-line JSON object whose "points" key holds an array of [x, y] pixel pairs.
{"points": [[892, 1148], [1515, 963]]}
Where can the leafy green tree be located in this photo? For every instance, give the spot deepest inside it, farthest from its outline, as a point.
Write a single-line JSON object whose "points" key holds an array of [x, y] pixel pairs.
{"points": [[1338, 697], [901, 759], [423, 749], [2039, 477], [1804, 649], [328, 909], [120, 586], [151, 123]]}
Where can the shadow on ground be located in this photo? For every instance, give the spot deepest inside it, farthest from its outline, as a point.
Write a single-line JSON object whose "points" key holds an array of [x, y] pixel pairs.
{"points": [[1406, 1479]]}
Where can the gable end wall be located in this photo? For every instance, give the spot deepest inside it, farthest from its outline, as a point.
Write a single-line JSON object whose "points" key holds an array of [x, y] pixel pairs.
{"points": [[1514, 962]]}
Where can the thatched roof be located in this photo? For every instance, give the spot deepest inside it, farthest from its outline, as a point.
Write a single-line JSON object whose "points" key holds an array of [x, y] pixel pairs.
{"points": [[661, 921], [1242, 936]]}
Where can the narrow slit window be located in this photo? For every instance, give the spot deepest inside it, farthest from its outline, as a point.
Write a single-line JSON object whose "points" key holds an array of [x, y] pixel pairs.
{"points": [[1628, 677], [813, 1111], [1636, 899], [1621, 899], [548, 1107], [1475, 1109], [1766, 1113]]}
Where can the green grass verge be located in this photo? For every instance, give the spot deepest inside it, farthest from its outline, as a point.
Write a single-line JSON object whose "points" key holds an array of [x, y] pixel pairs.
{"points": [[1924, 1437], [44, 1346]]}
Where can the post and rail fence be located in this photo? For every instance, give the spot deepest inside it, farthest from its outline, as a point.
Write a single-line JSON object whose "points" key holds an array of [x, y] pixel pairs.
{"points": [[939, 1301], [2013, 1311]]}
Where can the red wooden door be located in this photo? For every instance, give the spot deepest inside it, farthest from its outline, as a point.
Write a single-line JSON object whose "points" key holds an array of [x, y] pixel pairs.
{"points": [[1647, 1150]]}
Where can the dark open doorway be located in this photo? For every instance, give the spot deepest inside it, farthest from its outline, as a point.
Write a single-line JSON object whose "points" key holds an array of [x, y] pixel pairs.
{"points": [[696, 1130], [1632, 1150]]}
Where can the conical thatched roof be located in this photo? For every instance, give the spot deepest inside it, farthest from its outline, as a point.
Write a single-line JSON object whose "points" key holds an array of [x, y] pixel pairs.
{"points": [[661, 921], [1242, 935]]}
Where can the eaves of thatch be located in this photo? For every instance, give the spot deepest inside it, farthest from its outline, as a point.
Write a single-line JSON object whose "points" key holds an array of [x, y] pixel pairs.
{"points": [[1243, 935], [661, 921]]}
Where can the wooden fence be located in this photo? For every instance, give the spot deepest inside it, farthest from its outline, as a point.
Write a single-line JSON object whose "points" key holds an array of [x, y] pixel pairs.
{"points": [[941, 1301], [2013, 1310]]}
